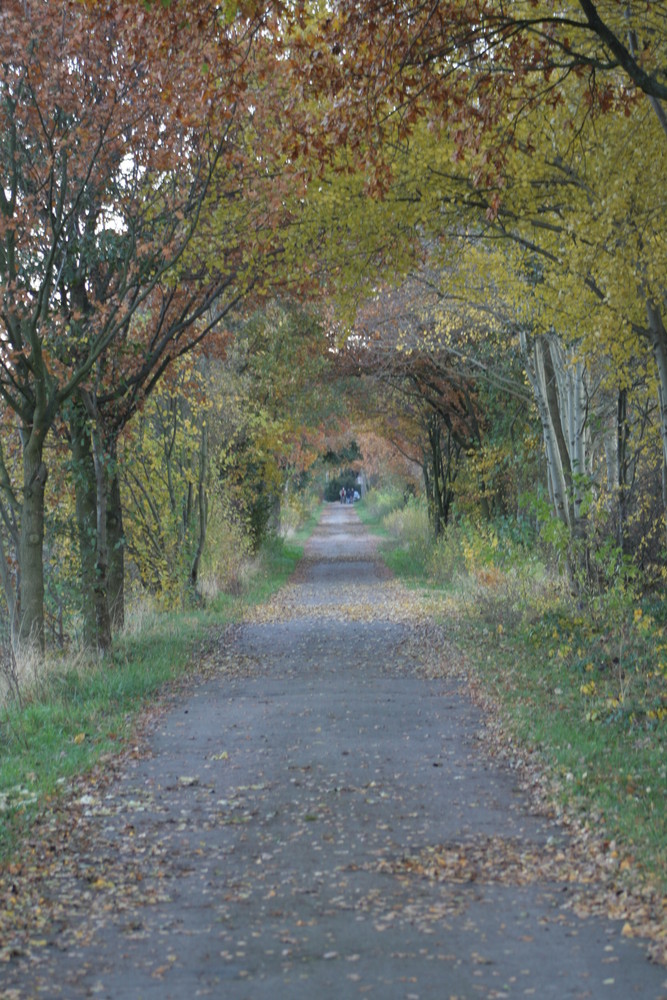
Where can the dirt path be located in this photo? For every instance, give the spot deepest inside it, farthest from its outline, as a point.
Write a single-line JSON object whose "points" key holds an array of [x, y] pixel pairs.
{"points": [[318, 820]]}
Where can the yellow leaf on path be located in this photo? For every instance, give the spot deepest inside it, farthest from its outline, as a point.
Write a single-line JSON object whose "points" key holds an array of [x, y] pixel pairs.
{"points": [[627, 930], [102, 883]]}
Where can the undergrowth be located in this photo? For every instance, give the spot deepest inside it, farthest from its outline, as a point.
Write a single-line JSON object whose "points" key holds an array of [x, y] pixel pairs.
{"points": [[581, 680]]}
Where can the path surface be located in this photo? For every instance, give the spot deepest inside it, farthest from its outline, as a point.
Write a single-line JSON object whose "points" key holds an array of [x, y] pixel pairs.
{"points": [[319, 821]]}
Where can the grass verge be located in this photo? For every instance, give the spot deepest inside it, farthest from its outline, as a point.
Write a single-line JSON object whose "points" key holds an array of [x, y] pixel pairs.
{"points": [[83, 712], [580, 684], [604, 748]]}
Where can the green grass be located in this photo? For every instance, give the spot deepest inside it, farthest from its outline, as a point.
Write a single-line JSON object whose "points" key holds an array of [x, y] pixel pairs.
{"points": [[307, 528], [607, 761], [585, 687], [77, 715], [372, 518], [405, 563]]}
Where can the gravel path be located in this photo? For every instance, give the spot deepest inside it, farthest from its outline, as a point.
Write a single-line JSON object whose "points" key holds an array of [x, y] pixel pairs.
{"points": [[318, 819]]}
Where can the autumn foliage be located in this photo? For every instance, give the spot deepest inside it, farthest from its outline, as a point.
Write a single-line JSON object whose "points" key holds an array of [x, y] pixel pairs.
{"points": [[125, 136], [460, 187]]}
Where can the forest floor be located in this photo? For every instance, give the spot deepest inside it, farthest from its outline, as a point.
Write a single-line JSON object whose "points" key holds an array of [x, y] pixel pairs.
{"points": [[323, 811]]}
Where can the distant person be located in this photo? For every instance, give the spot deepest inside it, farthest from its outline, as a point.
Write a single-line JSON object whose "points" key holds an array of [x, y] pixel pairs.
{"points": [[342, 494]]}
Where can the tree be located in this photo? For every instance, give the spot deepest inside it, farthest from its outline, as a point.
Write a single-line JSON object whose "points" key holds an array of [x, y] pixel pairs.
{"points": [[482, 122], [396, 342], [165, 456], [474, 69], [276, 401], [114, 128]]}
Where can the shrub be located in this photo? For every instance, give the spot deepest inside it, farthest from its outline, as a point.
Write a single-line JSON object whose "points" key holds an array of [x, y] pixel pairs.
{"points": [[409, 524], [446, 559], [296, 509], [379, 503], [227, 559]]}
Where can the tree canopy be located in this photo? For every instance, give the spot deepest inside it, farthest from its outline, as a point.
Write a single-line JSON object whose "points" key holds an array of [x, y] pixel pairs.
{"points": [[469, 193]]}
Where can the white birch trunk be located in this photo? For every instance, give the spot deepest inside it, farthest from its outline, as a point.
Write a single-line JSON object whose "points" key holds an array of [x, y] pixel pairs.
{"points": [[568, 443], [573, 407], [534, 361]]}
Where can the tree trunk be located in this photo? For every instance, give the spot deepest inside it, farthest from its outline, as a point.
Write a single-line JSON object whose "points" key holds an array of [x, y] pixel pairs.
{"points": [[555, 405], [102, 479], [116, 550], [31, 556], [102, 615], [559, 387], [86, 517], [434, 439], [11, 578], [202, 507], [658, 337], [555, 473], [11, 597], [428, 487], [622, 435]]}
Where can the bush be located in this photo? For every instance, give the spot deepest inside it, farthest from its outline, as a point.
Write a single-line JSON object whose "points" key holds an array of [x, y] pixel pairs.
{"points": [[379, 503], [228, 555], [409, 524], [446, 560], [296, 510]]}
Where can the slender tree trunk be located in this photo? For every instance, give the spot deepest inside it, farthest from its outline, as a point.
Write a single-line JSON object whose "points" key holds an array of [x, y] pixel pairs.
{"points": [[428, 487], [658, 336], [559, 390], [622, 434], [555, 416], [449, 474], [203, 507], [556, 478], [434, 438], [86, 516], [11, 580], [11, 597], [102, 481], [116, 549], [31, 554], [102, 615], [187, 510], [578, 445]]}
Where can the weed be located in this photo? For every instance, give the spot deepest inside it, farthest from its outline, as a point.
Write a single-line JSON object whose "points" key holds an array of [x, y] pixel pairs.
{"points": [[378, 503]]}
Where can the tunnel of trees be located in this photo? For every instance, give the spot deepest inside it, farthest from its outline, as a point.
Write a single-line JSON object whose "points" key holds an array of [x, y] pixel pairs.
{"points": [[228, 282]]}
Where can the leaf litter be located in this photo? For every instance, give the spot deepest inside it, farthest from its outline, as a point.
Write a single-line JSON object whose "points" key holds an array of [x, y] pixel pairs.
{"points": [[605, 882], [66, 880]]}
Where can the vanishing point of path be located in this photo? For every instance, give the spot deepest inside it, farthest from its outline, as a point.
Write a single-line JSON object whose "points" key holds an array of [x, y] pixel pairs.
{"points": [[317, 819]]}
